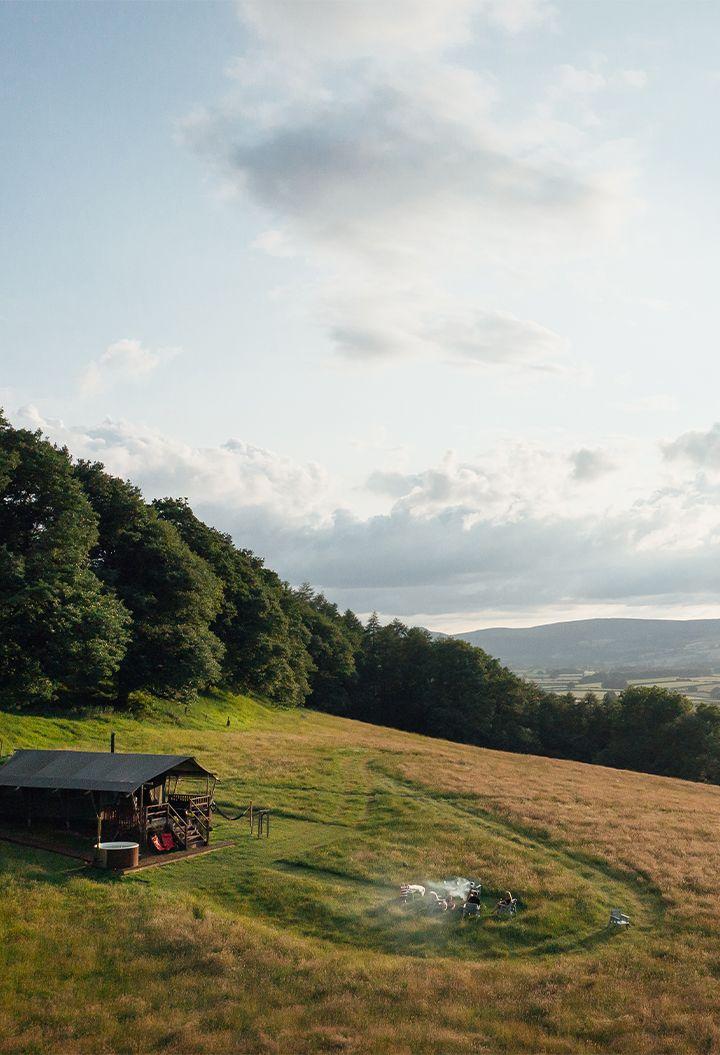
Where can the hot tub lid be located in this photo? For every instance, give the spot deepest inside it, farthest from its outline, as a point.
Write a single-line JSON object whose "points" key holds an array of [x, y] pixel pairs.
{"points": [[117, 846]]}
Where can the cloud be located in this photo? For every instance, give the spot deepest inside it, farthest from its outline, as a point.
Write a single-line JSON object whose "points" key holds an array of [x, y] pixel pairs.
{"points": [[125, 360], [500, 338], [449, 562], [511, 481], [400, 164], [322, 27], [382, 324], [234, 475], [383, 160], [463, 542], [508, 532], [589, 465], [701, 449], [352, 30], [515, 16]]}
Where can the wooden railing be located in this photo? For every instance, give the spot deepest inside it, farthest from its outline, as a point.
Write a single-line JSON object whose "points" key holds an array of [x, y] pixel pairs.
{"points": [[174, 817], [190, 800], [163, 811], [155, 811], [201, 822], [194, 819]]}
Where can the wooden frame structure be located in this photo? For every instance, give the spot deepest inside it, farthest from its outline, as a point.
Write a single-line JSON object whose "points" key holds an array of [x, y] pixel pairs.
{"points": [[121, 794]]}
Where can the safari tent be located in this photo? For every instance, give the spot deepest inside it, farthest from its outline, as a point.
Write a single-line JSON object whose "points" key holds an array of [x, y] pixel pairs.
{"points": [[121, 794]]}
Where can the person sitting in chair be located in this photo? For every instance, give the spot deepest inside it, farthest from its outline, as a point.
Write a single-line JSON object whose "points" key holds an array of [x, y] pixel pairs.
{"points": [[505, 902], [473, 897]]}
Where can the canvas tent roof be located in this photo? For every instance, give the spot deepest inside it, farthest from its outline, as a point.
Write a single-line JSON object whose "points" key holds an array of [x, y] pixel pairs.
{"points": [[92, 770]]}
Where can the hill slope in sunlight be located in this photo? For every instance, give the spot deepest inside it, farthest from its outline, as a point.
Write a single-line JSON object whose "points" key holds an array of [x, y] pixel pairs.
{"points": [[602, 644], [299, 944]]}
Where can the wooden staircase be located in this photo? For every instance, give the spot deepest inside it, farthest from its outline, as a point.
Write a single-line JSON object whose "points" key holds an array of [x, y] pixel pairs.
{"points": [[191, 830], [197, 827]]}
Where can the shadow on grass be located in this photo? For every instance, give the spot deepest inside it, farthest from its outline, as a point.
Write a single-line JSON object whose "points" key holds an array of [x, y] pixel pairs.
{"points": [[40, 866], [336, 875]]}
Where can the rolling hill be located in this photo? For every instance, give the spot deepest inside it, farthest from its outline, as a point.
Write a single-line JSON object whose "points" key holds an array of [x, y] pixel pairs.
{"points": [[604, 644], [298, 944]]}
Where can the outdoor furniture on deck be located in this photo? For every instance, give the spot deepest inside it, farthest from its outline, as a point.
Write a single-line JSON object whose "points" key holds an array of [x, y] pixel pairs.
{"points": [[186, 816], [164, 842]]}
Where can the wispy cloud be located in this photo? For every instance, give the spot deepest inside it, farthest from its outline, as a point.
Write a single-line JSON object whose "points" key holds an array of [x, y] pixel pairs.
{"points": [[123, 361], [323, 28], [381, 160], [392, 322]]}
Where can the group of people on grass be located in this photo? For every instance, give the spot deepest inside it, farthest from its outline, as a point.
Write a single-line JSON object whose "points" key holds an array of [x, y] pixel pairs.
{"points": [[470, 904], [449, 903], [473, 898]]}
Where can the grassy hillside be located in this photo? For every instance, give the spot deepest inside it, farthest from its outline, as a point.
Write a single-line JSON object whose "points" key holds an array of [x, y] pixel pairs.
{"points": [[298, 944]]}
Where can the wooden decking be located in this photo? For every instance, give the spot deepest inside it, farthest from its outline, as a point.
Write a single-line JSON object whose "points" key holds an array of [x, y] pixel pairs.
{"points": [[57, 846], [167, 859], [47, 843]]}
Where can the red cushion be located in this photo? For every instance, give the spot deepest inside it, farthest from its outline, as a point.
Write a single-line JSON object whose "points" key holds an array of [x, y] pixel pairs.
{"points": [[168, 843]]}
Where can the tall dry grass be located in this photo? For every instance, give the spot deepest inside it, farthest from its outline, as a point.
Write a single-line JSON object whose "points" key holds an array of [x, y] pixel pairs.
{"points": [[195, 958]]}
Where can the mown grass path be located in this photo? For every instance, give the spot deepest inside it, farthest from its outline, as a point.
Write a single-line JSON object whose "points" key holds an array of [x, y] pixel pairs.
{"points": [[335, 878], [611, 888]]}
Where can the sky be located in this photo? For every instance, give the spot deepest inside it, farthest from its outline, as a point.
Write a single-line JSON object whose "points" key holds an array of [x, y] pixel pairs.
{"points": [[416, 300]]}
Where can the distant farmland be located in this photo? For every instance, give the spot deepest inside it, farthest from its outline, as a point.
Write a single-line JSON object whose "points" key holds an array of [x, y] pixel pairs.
{"points": [[703, 688]]}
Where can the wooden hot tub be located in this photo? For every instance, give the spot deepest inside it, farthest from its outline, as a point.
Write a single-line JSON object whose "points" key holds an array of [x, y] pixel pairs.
{"points": [[117, 855]]}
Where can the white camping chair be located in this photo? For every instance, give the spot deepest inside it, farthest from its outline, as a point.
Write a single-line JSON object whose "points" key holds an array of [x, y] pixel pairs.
{"points": [[618, 918], [506, 908]]}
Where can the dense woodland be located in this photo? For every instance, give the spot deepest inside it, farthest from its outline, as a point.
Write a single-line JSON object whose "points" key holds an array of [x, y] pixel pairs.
{"points": [[105, 598]]}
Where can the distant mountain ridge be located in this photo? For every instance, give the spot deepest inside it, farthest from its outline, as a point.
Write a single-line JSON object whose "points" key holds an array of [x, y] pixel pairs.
{"points": [[605, 644]]}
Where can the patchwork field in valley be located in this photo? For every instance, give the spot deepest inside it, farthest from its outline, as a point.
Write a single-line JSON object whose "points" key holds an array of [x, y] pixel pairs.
{"points": [[701, 688]]}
